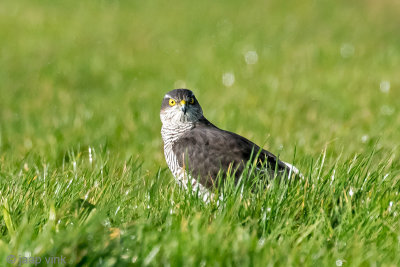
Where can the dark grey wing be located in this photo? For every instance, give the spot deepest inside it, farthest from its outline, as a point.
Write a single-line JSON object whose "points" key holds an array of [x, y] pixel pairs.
{"points": [[205, 150]]}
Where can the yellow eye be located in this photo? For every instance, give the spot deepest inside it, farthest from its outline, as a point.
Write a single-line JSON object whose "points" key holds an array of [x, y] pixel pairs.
{"points": [[191, 101], [172, 102]]}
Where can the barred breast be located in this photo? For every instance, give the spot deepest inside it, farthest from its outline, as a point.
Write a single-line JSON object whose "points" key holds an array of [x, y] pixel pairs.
{"points": [[170, 136]]}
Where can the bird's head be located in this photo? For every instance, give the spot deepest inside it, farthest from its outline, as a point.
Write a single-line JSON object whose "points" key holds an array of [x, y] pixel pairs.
{"points": [[180, 106]]}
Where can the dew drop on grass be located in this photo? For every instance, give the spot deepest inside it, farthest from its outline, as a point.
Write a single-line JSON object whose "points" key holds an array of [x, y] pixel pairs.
{"points": [[364, 138], [347, 50], [339, 262], [228, 79], [251, 57], [351, 193], [384, 86]]}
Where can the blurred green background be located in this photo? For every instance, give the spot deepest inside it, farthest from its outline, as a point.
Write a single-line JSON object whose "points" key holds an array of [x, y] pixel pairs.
{"points": [[93, 73], [294, 76]]}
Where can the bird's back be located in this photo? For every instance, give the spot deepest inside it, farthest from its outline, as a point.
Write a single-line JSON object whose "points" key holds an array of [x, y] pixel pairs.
{"points": [[205, 150]]}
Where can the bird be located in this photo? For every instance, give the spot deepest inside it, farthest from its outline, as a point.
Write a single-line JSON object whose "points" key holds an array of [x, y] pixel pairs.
{"points": [[200, 155]]}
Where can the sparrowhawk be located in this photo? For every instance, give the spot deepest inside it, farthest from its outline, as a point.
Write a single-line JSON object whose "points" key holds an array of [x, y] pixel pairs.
{"points": [[198, 151]]}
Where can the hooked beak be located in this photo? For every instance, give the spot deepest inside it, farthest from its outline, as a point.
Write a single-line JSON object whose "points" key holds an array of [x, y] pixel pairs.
{"points": [[183, 106]]}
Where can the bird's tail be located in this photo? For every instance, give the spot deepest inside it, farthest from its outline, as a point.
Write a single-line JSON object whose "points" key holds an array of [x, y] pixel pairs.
{"points": [[293, 171]]}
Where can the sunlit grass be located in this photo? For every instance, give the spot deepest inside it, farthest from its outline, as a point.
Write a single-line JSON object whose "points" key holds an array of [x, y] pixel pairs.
{"points": [[105, 212], [82, 172]]}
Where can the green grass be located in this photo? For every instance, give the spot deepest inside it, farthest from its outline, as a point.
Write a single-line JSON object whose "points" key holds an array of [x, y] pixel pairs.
{"points": [[82, 172]]}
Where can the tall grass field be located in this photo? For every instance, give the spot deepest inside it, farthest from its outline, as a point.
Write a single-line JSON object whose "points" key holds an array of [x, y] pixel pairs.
{"points": [[83, 179]]}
